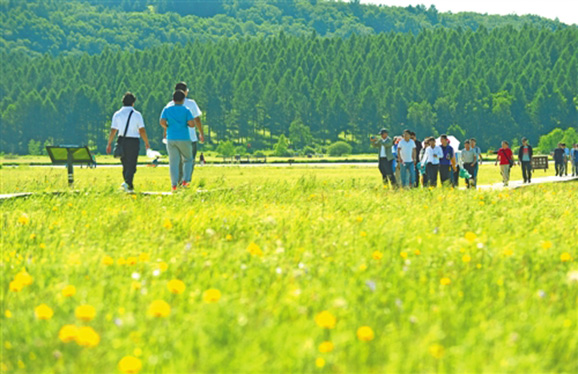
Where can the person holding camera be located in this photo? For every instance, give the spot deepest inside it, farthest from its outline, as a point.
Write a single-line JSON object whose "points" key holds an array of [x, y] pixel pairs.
{"points": [[384, 143]]}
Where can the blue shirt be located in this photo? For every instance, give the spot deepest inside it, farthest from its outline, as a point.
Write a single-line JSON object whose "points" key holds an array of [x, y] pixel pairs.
{"points": [[177, 117], [448, 152]]}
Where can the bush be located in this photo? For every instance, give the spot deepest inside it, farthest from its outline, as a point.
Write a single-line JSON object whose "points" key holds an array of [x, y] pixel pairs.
{"points": [[226, 149], [339, 149], [308, 150]]}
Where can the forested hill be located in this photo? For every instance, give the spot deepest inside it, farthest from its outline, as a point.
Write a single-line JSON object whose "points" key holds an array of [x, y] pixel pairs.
{"points": [[494, 85], [72, 26]]}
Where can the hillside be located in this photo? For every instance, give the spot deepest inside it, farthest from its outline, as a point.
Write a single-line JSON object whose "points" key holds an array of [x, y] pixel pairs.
{"points": [[73, 26]]}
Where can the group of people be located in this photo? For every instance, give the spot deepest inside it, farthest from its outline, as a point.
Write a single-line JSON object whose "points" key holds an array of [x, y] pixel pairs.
{"points": [[563, 155], [180, 119], [411, 162], [405, 161]]}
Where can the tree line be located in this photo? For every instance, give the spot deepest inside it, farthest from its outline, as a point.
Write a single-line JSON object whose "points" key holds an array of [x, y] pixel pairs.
{"points": [[76, 26], [494, 84]]}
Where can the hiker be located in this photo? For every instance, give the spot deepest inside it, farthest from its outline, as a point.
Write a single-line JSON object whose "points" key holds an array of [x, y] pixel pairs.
{"points": [[574, 155], [506, 161], [422, 167], [384, 143], [478, 151], [469, 160], [194, 108], [525, 154], [559, 160], [418, 148], [406, 153], [128, 122], [567, 152], [448, 160], [175, 120], [431, 160]]}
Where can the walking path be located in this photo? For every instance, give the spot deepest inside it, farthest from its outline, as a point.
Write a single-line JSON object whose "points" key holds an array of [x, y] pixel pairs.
{"points": [[495, 186], [520, 183]]}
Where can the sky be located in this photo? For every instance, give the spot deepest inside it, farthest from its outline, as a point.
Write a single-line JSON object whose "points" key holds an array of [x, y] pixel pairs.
{"points": [[565, 10]]}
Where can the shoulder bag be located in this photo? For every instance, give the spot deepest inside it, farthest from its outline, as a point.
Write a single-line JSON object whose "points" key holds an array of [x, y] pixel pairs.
{"points": [[118, 148]]}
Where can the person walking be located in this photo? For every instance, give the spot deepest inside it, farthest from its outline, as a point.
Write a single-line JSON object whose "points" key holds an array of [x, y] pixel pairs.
{"points": [[525, 154], [418, 148], [448, 161], [574, 155], [559, 160], [431, 159], [422, 166], [566, 159], [506, 161], [406, 153], [478, 151], [176, 119], [128, 122], [384, 143], [469, 159], [194, 108]]}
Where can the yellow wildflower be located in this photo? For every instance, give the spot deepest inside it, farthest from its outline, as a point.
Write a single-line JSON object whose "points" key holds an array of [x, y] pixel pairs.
{"points": [[15, 286], [565, 257], [159, 308], [470, 236], [23, 219], [326, 347], [130, 365], [325, 320], [68, 333], [436, 350], [255, 250], [365, 333], [466, 258], [24, 278], [87, 337], [43, 311], [377, 255], [176, 286], [85, 312], [69, 291], [211, 296], [445, 281], [320, 362], [107, 260]]}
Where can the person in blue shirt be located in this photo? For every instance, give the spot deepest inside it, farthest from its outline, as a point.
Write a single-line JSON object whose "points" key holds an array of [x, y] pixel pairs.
{"points": [[567, 152], [574, 154], [176, 120], [447, 161]]}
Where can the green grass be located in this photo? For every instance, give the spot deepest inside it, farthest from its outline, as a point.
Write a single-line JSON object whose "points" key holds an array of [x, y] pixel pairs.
{"points": [[331, 239]]}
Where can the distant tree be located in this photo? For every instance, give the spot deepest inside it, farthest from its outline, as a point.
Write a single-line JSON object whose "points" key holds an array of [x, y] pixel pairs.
{"points": [[339, 148]]}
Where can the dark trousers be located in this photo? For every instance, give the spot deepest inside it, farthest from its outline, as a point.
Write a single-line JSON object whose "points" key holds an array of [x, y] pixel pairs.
{"points": [[386, 170], [559, 166], [456, 177], [445, 174], [431, 171], [417, 177], [131, 148], [181, 163], [470, 169], [527, 171]]}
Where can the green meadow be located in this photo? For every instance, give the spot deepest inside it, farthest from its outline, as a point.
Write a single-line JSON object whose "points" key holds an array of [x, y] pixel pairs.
{"points": [[282, 270]]}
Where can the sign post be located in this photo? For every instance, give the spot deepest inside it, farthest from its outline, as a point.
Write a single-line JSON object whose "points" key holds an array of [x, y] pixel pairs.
{"points": [[69, 155]]}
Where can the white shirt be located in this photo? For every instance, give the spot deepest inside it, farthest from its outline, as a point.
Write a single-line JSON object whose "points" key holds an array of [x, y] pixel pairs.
{"points": [[405, 150], [194, 108], [119, 122], [382, 152], [429, 155]]}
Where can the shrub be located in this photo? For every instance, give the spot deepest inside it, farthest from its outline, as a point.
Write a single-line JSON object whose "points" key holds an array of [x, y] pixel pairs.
{"points": [[339, 149]]}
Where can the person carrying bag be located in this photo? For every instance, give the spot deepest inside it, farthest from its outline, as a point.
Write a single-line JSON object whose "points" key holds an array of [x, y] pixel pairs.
{"points": [[128, 145]]}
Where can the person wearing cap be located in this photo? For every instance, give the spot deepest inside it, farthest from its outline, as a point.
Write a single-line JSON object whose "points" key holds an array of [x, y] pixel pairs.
{"points": [[194, 108], [384, 143], [175, 120], [128, 122], [525, 154]]}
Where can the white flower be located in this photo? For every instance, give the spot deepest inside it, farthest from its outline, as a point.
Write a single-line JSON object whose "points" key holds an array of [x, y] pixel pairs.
{"points": [[210, 232], [279, 270], [156, 272], [480, 245], [573, 276], [370, 284], [135, 276], [541, 293]]}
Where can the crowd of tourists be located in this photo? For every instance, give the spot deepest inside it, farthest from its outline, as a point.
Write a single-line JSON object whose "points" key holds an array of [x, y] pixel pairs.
{"points": [[407, 162]]}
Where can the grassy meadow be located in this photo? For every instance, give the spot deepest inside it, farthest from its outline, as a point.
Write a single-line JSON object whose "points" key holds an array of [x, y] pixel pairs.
{"points": [[282, 270]]}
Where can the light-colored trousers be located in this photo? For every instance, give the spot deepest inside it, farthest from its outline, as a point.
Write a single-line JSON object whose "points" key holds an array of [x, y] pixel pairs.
{"points": [[505, 169], [177, 150]]}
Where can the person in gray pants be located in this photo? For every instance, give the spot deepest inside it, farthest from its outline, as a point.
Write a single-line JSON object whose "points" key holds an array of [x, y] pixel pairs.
{"points": [[176, 120]]}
